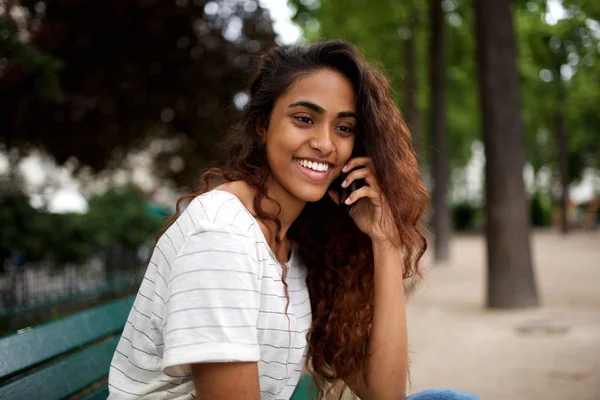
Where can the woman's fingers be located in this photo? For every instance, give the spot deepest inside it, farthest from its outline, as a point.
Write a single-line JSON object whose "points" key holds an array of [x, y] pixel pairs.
{"points": [[365, 191], [365, 173], [356, 174], [356, 162]]}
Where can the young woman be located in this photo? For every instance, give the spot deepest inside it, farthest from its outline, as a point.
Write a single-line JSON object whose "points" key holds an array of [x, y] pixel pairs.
{"points": [[266, 273]]}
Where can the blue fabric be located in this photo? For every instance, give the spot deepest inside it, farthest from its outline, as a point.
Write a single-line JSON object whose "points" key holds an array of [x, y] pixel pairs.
{"points": [[443, 394]]}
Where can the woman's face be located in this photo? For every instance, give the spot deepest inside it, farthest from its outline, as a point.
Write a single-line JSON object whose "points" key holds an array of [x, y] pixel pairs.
{"points": [[311, 134]]}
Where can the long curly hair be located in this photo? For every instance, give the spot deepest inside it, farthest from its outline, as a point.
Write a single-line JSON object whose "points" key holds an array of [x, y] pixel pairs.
{"points": [[339, 257]]}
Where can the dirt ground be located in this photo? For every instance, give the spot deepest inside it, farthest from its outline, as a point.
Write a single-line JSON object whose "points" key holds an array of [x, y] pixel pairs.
{"points": [[552, 352]]}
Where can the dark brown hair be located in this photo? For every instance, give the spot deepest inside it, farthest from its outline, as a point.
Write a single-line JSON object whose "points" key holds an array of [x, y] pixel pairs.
{"points": [[338, 256]]}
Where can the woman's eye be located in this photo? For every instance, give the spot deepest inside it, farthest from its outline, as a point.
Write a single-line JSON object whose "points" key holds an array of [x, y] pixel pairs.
{"points": [[303, 118], [346, 129]]}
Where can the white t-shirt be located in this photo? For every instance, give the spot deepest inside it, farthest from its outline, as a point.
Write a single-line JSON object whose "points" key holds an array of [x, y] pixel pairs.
{"points": [[213, 293]]}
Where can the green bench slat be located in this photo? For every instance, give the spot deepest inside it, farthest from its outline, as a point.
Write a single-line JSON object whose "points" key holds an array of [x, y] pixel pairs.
{"points": [[99, 394], [65, 377], [42, 343], [305, 390]]}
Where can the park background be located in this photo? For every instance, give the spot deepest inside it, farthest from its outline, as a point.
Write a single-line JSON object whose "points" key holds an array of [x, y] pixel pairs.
{"points": [[110, 110]]}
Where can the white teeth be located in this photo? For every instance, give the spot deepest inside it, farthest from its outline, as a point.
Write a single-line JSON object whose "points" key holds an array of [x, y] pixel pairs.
{"points": [[313, 165]]}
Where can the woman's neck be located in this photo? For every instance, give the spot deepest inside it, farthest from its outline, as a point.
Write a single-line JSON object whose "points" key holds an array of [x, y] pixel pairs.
{"points": [[291, 206]]}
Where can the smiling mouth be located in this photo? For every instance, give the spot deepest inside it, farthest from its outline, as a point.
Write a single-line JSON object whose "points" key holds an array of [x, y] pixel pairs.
{"points": [[313, 165], [314, 170]]}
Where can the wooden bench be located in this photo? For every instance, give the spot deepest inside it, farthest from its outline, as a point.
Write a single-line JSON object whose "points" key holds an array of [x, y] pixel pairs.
{"points": [[71, 357], [63, 358]]}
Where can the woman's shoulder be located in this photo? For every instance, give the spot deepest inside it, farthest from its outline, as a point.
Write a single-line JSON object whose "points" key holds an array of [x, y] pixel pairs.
{"points": [[221, 207]]}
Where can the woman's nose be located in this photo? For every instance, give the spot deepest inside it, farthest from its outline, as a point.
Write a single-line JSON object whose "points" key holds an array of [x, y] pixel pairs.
{"points": [[323, 141]]}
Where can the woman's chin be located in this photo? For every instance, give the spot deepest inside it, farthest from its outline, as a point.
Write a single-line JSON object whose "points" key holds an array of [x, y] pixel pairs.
{"points": [[312, 195]]}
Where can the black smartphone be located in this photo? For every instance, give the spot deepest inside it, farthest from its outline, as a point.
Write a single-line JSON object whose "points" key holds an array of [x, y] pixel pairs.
{"points": [[344, 192], [358, 151]]}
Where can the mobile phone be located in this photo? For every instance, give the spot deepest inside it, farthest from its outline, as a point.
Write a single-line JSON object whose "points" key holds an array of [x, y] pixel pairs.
{"points": [[358, 151], [344, 192]]}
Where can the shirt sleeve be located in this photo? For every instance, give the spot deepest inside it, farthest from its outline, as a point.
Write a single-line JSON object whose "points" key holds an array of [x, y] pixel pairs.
{"points": [[213, 299]]}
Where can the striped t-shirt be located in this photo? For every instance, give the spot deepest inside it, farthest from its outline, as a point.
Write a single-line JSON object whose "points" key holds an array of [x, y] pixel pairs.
{"points": [[213, 293]]}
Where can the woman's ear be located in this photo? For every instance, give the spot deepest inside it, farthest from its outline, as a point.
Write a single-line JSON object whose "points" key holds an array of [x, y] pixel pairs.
{"points": [[261, 129]]}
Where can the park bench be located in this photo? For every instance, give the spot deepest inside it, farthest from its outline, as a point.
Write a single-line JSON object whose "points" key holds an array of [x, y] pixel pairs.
{"points": [[70, 357], [63, 358]]}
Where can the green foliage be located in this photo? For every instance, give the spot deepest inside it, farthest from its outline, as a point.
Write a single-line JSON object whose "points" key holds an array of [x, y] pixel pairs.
{"points": [[462, 98], [560, 67], [465, 216], [129, 73], [36, 235], [468, 217], [540, 207], [16, 216], [61, 239], [42, 66], [117, 218]]}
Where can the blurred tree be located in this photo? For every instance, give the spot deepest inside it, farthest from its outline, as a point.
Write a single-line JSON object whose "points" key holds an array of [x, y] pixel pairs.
{"points": [[16, 216], [411, 81], [60, 239], [540, 207], [562, 94], [94, 79], [29, 236], [464, 216], [462, 107], [511, 280], [590, 7], [117, 226], [441, 221], [120, 224]]}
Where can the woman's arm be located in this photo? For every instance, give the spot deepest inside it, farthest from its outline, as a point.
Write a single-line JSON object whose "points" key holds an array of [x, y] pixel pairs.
{"points": [[225, 381], [385, 371]]}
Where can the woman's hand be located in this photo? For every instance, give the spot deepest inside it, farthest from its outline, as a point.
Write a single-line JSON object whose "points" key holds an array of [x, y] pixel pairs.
{"points": [[370, 210]]}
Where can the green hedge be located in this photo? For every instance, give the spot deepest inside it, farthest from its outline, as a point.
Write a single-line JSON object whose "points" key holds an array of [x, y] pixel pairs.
{"points": [[540, 207], [468, 217]]}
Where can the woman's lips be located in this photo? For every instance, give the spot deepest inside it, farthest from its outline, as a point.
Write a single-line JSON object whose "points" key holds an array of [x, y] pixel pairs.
{"points": [[312, 174]]}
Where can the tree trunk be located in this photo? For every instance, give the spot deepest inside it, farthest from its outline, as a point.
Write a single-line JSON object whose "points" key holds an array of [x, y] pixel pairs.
{"points": [[563, 161], [510, 280], [439, 144], [413, 116]]}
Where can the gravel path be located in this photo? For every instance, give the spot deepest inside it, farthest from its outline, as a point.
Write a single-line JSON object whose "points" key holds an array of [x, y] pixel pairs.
{"points": [[552, 352]]}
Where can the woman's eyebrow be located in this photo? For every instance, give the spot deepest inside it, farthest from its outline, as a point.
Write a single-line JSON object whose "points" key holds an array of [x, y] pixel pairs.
{"points": [[308, 104], [321, 110], [347, 114]]}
